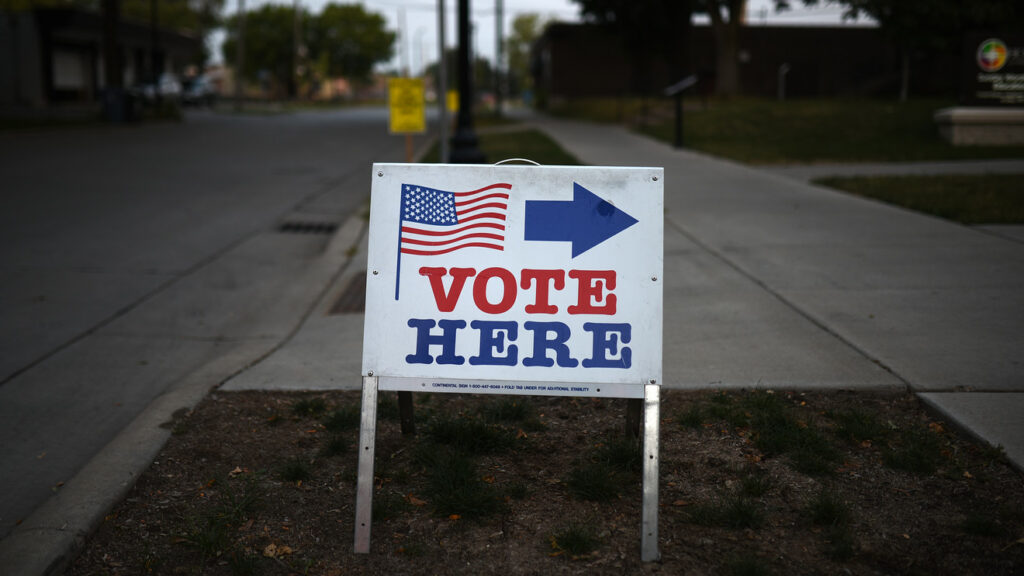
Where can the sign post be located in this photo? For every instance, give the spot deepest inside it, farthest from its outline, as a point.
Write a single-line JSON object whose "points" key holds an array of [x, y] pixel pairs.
{"points": [[515, 280], [407, 110]]}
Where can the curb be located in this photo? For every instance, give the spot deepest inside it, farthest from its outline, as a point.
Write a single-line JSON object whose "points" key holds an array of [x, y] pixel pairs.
{"points": [[53, 535]]}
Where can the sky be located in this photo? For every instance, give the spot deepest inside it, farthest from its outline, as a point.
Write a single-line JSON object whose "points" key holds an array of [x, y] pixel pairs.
{"points": [[420, 46]]}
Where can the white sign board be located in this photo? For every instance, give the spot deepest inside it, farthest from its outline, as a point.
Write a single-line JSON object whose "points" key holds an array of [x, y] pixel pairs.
{"points": [[515, 279]]}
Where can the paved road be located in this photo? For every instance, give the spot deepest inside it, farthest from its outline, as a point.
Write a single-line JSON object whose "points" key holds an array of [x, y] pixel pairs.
{"points": [[130, 257]]}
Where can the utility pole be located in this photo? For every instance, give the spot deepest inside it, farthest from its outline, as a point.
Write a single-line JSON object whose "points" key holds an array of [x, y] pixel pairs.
{"points": [[240, 56], [114, 101], [404, 33], [464, 145], [296, 23], [442, 83], [499, 55]]}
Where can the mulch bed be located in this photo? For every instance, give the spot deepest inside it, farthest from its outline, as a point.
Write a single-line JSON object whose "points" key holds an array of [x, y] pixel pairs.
{"points": [[264, 483]]}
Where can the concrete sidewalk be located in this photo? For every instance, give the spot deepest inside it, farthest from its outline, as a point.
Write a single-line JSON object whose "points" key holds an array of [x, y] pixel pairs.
{"points": [[773, 282]]}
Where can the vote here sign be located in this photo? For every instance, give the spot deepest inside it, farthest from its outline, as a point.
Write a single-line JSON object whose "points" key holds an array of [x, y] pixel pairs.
{"points": [[515, 279]]}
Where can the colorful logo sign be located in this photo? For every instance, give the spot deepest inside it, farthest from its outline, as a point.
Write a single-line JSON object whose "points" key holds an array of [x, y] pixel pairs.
{"points": [[992, 55]]}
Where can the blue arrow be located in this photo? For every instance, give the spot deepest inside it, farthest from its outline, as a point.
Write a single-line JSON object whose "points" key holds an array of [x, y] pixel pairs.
{"points": [[586, 220]]}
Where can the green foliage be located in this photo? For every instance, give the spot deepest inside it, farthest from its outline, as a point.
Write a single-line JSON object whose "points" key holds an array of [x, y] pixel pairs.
{"points": [[387, 505], [387, 407], [469, 435], [594, 481], [454, 485], [526, 28], [777, 431], [337, 445], [755, 484], [840, 545], [343, 418], [935, 25], [575, 539], [857, 425], [269, 41], [343, 40], [828, 509], [982, 525], [210, 531], [763, 131], [692, 417], [747, 566], [296, 470], [732, 511], [968, 199], [622, 453], [309, 407], [917, 451], [348, 40]]}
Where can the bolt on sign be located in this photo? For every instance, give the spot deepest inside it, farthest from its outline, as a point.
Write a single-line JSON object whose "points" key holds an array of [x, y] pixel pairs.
{"points": [[406, 106], [516, 280]]}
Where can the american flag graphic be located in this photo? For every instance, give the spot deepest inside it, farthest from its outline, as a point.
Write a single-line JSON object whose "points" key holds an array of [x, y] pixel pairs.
{"points": [[435, 222]]}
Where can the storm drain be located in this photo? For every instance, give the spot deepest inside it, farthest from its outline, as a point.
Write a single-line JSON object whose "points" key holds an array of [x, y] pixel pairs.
{"points": [[353, 299], [307, 227]]}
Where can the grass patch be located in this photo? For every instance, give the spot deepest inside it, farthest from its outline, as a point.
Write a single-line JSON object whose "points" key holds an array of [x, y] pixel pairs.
{"points": [[530, 144], [982, 525], [777, 431], [388, 506], [796, 131], [516, 491], [857, 426], [454, 485], [470, 435], [309, 407], [755, 485], [607, 470], [692, 417], [828, 509], [733, 511], [840, 545], [775, 428], [337, 445], [210, 533], [576, 539], [594, 481], [296, 470], [968, 199], [343, 419], [917, 451], [622, 453], [747, 566], [387, 407]]}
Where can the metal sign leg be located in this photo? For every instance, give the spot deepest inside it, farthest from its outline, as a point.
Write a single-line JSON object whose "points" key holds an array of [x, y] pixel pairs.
{"points": [[364, 488], [649, 514]]}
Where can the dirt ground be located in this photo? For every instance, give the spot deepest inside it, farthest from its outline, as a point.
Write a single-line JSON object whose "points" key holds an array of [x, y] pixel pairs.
{"points": [[264, 483]]}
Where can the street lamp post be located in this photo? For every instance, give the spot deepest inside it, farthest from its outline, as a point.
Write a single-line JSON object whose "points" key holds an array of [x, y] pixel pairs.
{"points": [[464, 143]]}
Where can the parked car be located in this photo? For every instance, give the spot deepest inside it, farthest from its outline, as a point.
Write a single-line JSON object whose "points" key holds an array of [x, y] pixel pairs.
{"points": [[168, 87], [199, 91]]}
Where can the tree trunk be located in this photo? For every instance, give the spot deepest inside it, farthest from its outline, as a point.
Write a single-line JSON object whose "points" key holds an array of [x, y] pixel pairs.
{"points": [[905, 76], [727, 80]]}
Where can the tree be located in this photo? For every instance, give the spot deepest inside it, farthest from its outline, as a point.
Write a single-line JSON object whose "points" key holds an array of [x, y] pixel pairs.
{"points": [[917, 26], [649, 28], [349, 41], [199, 17], [727, 17], [526, 28], [269, 43]]}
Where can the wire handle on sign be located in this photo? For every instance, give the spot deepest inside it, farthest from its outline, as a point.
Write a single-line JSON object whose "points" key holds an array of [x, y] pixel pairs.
{"points": [[524, 160]]}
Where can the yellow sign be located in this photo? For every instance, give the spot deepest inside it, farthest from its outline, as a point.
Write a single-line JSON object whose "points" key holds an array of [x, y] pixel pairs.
{"points": [[453, 100], [405, 99]]}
